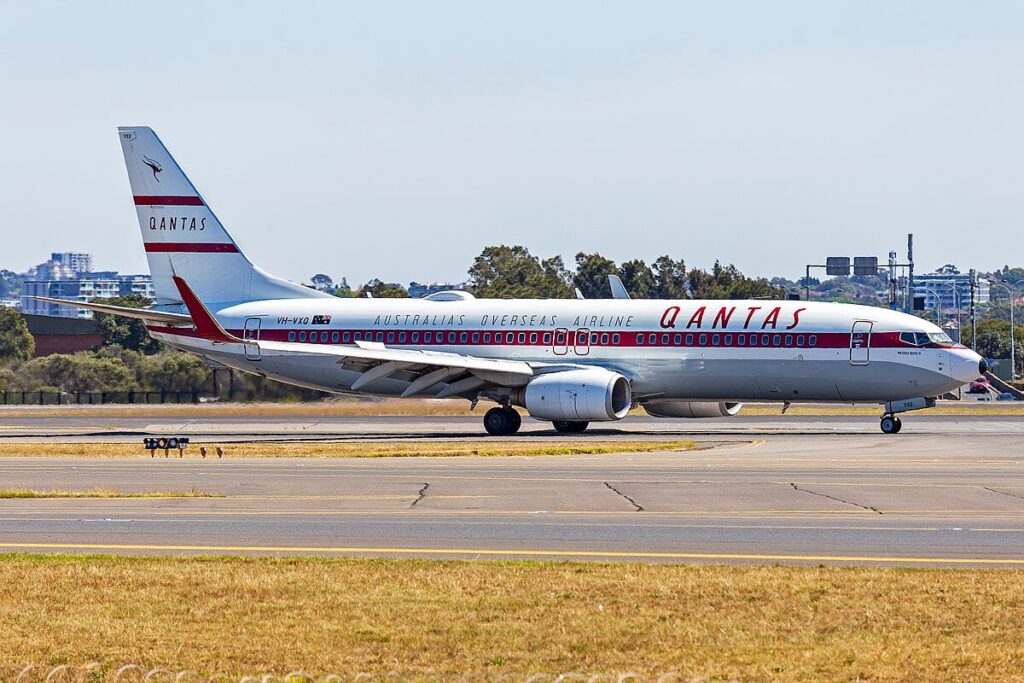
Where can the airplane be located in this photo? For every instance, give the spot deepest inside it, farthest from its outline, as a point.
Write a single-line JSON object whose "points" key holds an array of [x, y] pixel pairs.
{"points": [[570, 362]]}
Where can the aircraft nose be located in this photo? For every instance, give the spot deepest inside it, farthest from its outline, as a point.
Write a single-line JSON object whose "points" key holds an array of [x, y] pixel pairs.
{"points": [[966, 365]]}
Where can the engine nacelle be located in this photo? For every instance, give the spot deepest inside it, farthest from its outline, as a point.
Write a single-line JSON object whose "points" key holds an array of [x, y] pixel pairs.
{"points": [[688, 409], [586, 395]]}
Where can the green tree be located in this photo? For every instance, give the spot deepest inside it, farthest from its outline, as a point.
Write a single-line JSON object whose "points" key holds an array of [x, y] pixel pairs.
{"points": [[16, 343], [670, 279], [385, 290], [503, 272], [592, 271], [128, 333], [994, 340], [173, 371], [638, 279], [79, 372]]}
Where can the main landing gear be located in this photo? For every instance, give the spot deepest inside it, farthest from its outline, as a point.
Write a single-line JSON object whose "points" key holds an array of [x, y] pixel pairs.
{"points": [[502, 421], [567, 427]]}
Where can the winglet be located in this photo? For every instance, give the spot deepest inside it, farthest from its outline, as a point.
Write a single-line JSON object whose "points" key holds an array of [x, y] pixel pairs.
{"points": [[206, 325]]}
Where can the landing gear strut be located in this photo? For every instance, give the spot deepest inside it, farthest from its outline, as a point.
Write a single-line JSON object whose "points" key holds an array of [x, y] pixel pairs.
{"points": [[502, 421], [891, 424]]}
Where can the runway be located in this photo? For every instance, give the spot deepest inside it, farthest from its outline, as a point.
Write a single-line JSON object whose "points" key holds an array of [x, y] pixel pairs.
{"points": [[947, 491]]}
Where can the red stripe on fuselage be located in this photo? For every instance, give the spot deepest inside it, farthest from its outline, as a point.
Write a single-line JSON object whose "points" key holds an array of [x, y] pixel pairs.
{"points": [[192, 247], [751, 340], [167, 200]]}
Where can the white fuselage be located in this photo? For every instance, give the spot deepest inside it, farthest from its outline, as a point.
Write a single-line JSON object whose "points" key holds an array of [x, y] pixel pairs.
{"points": [[693, 350]]}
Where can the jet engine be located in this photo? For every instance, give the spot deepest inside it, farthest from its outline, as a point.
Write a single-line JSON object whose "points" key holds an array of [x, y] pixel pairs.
{"points": [[668, 408], [586, 395]]}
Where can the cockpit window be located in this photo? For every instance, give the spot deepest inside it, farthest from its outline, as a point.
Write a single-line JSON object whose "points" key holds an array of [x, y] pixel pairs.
{"points": [[925, 338]]}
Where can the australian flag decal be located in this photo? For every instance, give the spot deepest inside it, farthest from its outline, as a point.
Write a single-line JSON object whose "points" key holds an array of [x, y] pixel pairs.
{"points": [[321, 320]]}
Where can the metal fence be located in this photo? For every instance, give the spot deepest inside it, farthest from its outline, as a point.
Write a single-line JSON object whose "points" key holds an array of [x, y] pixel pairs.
{"points": [[58, 398]]}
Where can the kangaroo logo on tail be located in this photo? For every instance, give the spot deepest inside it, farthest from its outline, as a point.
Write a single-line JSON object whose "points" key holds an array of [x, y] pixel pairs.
{"points": [[156, 167]]}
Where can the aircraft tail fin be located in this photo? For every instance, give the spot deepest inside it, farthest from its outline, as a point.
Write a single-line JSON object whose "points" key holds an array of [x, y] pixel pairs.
{"points": [[184, 238]]}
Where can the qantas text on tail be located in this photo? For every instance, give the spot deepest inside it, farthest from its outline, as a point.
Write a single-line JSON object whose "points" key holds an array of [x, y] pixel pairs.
{"points": [[570, 362]]}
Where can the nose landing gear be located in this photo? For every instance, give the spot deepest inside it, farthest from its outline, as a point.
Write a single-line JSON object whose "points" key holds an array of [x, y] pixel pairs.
{"points": [[891, 424]]}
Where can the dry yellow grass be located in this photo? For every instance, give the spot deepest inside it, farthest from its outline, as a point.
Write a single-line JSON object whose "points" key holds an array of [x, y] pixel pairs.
{"points": [[362, 449], [102, 493], [441, 407], [427, 618]]}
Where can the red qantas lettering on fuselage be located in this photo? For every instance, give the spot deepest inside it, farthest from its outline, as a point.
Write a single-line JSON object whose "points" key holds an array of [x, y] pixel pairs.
{"points": [[724, 315]]}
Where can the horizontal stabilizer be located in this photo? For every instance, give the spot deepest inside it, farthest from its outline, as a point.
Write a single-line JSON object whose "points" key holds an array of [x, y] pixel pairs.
{"points": [[123, 311]]}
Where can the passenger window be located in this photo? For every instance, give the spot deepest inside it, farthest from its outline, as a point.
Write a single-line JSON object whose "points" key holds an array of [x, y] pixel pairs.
{"points": [[291, 336], [741, 340], [451, 337], [522, 337], [401, 337], [777, 340], [415, 337], [358, 336], [547, 337], [765, 340], [476, 337], [703, 340], [640, 339], [560, 338], [302, 336], [664, 340], [487, 337], [677, 339], [812, 340], [509, 338], [428, 337], [789, 340], [334, 337], [463, 337], [799, 340], [653, 339], [715, 340], [689, 340], [728, 340], [533, 337]]}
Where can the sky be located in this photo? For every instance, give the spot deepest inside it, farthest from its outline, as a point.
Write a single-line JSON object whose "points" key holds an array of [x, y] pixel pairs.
{"points": [[398, 139]]}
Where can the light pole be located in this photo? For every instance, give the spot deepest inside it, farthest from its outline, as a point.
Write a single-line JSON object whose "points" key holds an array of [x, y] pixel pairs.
{"points": [[1011, 290], [938, 304]]}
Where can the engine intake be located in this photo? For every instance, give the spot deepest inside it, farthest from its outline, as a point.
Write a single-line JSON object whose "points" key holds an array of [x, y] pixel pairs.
{"points": [[691, 408], [586, 395]]}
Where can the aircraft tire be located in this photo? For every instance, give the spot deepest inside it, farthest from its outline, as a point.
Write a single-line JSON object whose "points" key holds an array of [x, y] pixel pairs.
{"points": [[570, 427], [890, 425], [501, 421]]}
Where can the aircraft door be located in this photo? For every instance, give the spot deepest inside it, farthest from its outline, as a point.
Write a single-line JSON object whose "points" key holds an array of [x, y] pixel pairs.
{"points": [[582, 346], [860, 342], [252, 333], [560, 342]]}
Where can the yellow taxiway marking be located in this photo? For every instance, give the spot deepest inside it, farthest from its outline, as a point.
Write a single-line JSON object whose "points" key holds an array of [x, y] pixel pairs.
{"points": [[610, 554]]}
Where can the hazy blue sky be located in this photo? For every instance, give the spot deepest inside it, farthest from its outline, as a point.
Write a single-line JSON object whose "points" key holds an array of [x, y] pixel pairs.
{"points": [[398, 139]]}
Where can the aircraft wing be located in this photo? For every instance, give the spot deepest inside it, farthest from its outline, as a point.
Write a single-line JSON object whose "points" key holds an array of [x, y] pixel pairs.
{"points": [[445, 373], [124, 311]]}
